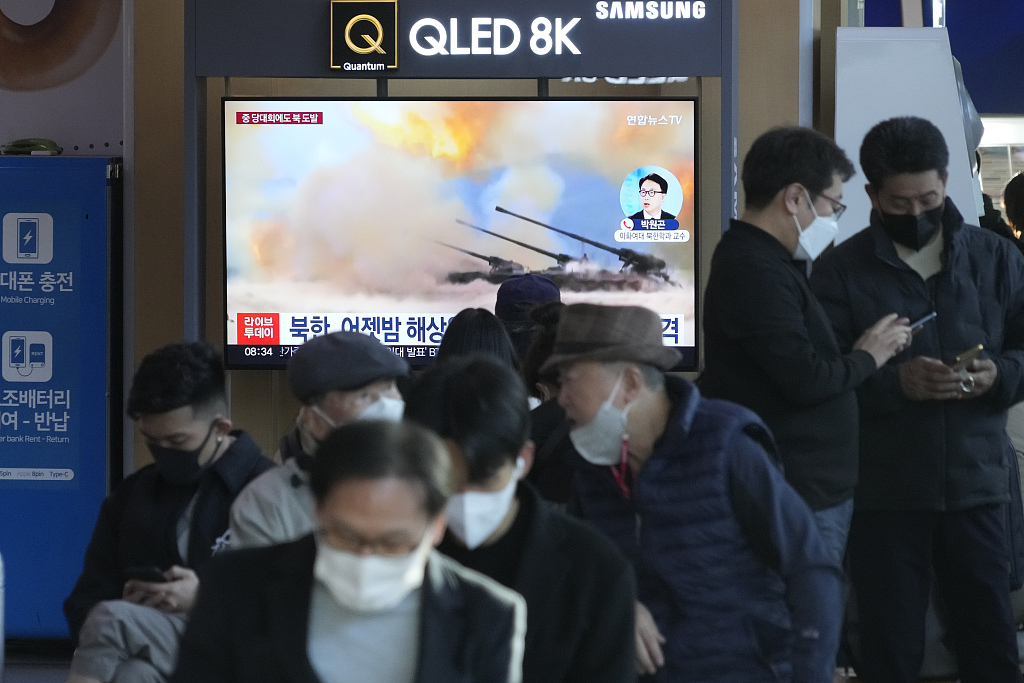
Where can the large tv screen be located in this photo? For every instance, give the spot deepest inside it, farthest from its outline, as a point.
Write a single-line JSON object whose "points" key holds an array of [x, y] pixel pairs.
{"points": [[390, 216]]}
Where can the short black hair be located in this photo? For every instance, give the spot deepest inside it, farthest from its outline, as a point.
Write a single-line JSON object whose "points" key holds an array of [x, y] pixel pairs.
{"points": [[178, 375], [788, 155], [478, 403], [379, 449], [662, 183], [905, 144], [1013, 201], [477, 330]]}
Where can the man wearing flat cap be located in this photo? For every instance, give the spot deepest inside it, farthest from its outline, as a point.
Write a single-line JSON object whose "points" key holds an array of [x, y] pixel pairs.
{"points": [[338, 378], [734, 582]]}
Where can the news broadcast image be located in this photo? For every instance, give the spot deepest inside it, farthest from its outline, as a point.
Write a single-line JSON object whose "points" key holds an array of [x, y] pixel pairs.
{"points": [[390, 216]]}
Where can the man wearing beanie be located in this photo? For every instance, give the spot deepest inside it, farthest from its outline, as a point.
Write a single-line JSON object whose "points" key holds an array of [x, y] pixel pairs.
{"points": [[338, 378], [733, 579]]}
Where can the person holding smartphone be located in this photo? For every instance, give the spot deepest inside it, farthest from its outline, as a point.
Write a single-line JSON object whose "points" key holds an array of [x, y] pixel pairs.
{"points": [[770, 346], [160, 527], [935, 463]]}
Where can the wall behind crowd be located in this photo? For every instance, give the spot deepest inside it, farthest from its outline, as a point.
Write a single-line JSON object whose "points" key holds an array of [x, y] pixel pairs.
{"points": [[773, 58], [261, 402]]}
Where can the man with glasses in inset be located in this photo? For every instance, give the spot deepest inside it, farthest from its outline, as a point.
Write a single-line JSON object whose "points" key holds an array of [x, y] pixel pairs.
{"points": [[770, 345], [653, 189]]}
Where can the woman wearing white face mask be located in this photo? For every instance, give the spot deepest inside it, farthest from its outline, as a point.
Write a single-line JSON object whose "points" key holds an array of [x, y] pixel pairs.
{"points": [[338, 378], [365, 598], [579, 589]]}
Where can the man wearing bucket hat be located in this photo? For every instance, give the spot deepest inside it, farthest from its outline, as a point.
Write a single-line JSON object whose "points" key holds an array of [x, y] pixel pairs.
{"points": [[338, 378], [734, 581]]}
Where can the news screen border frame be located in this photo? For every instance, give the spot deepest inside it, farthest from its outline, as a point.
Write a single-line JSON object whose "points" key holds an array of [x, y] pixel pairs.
{"points": [[234, 358]]}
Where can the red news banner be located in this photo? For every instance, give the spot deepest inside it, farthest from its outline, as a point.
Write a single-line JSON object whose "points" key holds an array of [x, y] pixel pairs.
{"points": [[258, 328], [279, 117]]}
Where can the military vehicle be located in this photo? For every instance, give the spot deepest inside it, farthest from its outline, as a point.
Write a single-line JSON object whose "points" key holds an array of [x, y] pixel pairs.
{"points": [[639, 272], [501, 269]]}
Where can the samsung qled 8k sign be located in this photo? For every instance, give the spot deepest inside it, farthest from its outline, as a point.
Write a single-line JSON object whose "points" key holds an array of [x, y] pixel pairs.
{"points": [[388, 217], [388, 38]]}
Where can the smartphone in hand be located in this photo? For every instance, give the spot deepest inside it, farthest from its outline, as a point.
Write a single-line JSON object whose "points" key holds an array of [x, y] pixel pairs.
{"points": [[966, 358], [147, 574], [922, 321]]}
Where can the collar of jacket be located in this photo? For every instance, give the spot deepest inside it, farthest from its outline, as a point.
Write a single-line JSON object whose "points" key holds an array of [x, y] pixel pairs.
{"points": [[235, 466], [685, 400], [290, 447], [952, 224], [763, 238]]}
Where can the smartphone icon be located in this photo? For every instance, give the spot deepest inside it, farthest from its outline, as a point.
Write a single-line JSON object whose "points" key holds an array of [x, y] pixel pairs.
{"points": [[28, 238], [37, 355], [17, 358]]}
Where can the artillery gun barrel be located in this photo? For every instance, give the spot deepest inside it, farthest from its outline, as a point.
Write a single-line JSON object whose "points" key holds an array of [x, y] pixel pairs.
{"points": [[642, 262], [493, 261], [561, 258]]}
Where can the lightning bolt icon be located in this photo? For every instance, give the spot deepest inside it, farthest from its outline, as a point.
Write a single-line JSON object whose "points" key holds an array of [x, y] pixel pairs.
{"points": [[28, 238], [17, 350]]}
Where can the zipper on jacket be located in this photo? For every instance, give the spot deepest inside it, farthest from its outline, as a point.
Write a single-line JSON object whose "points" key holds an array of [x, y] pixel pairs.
{"points": [[944, 444]]}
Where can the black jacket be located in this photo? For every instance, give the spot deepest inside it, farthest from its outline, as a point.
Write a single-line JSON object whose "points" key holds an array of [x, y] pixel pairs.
{"points": [[769, 346], [137, 525], [250, 622], [665, 215], [580, 593], [932, 455], [556, 459]]}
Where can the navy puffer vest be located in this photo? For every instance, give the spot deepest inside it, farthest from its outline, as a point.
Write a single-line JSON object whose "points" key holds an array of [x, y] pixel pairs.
{"points": [[721, 609]]}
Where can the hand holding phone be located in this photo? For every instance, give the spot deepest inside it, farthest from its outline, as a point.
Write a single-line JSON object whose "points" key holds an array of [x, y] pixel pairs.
{"points": [[146, 574], [961, 362], [915, 326]]}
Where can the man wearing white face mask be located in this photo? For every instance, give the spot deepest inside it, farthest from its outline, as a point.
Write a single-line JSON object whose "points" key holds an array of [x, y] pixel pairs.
{"points": [[338, 378], [579, 589], [365, 598], [769, 344], [733, 579]]}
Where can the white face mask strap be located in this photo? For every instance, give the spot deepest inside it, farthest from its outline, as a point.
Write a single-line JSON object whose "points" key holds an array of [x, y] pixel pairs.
{"points": [[810, 203], [326, 418], [615, 388], [799, 230], [611, 399]]}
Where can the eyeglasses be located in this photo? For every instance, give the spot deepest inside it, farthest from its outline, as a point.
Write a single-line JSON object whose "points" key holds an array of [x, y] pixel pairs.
{"points": [[837, 206], [650, 193], [352, 543]]}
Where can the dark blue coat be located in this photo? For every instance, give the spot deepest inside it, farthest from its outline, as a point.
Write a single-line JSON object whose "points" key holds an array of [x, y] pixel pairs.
{"points": [[727, 555], [932, 455]]}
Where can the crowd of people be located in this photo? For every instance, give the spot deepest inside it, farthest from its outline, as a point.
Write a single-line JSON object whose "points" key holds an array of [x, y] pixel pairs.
{"points": [[548, 503]]}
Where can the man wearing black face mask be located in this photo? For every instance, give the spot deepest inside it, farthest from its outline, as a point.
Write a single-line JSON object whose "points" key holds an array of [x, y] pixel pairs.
{"points": [[163, 523], [934, 468]]}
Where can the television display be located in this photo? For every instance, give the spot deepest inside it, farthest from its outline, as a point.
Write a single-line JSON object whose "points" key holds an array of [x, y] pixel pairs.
{"points": [[388, 217]]}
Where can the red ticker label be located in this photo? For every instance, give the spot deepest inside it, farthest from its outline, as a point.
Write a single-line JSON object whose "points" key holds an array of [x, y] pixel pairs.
{"points": [[257, 328], [279, 117]]}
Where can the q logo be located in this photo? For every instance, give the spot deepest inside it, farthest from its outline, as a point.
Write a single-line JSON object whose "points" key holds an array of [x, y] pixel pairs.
{"points": [[364, 35], [374, 45]]}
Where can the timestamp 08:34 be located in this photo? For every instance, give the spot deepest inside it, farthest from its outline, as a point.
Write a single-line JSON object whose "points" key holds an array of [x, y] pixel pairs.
{"points": [[268, 351]]}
